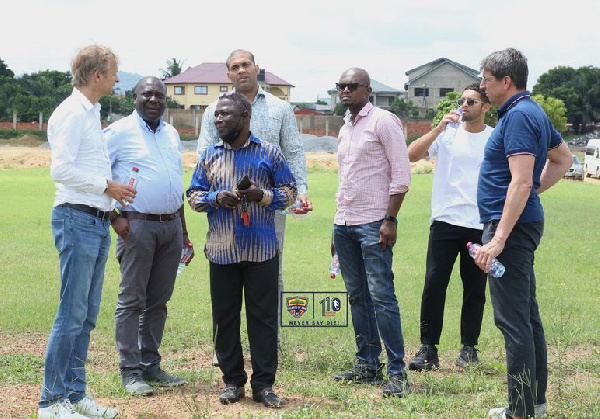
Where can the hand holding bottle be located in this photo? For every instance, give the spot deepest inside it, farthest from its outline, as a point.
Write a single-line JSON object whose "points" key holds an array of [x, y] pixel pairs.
{"points": [[187, 253], [334, 267], [496, 268]]}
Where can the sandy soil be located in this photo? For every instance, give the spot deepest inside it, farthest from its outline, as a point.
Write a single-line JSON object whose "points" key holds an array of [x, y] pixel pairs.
{"points": [[24, 152]]}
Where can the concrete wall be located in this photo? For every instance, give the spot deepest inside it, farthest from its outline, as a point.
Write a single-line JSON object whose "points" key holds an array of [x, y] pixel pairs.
{"points": [[188, 122]]}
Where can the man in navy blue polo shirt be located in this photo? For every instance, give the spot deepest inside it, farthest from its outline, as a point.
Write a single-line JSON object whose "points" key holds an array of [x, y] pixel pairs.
{"points": [[523, 157]]}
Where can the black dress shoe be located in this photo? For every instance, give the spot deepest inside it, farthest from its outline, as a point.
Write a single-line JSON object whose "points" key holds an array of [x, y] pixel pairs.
{"points": [[268, 397], [231, 394]]}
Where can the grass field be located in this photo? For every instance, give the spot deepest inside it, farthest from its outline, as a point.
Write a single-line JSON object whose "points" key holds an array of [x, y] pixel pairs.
{"points": [[568, 281]]}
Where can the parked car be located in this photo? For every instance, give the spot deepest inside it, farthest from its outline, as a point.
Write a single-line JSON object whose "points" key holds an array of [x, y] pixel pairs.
{"points": [[576, 170], [592, 158]]}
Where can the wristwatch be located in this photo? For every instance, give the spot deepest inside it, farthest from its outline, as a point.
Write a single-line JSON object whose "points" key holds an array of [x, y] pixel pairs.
{"points": [[389, 217]]}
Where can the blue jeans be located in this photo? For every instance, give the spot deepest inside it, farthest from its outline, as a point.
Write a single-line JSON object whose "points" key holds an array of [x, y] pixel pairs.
{"points": [[367, 273], [83, 243], [517, 315]]}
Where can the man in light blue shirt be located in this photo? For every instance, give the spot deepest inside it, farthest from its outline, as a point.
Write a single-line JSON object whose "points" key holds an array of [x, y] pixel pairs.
{"points": [[151, 233], [273, 121]]}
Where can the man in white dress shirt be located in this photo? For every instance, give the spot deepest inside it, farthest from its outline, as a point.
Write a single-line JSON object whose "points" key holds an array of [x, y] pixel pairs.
{"points": [[84, 196]]}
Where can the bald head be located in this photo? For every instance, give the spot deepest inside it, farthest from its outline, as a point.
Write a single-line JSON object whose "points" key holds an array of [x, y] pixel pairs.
{"points": [[150, 100], [354, 88]]}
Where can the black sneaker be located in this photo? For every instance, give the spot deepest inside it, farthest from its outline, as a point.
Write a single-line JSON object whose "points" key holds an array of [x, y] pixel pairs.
{"points": [[425, 359], [397, 386], [362, 374], [231, 394], [467, 356], [162, 378], [267, 397]]}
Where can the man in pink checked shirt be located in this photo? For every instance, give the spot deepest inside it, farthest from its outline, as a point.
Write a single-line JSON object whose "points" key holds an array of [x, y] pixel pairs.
{"points": [[374, 176]]}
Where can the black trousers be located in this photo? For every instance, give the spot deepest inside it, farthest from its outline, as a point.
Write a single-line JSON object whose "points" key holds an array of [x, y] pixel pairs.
{"points": [[517, 315], [258, 283], [446, 242]]}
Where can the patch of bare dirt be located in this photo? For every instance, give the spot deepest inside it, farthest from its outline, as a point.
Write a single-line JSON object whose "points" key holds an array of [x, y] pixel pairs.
{"points": [[200, 397], [197, 399], [18, 155]]}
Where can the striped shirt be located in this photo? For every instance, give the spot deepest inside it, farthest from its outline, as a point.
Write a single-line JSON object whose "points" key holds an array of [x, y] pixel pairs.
{"points": [[219, 168], [373, 164], [273, 121]]}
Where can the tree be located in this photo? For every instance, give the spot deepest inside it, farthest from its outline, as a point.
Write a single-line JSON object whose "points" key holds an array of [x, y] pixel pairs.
{"points": [[339, 109], [555, 109], [174, 67], [5, 71], [39, 92], [448, 103], [579, 89], [403, 109]]}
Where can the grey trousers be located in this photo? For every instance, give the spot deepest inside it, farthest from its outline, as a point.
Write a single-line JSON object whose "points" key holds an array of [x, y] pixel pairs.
{"points": [[148, 261]]}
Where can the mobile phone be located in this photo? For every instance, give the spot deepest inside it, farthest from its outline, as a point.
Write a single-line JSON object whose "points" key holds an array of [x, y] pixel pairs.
{"points": [[244, 183]]}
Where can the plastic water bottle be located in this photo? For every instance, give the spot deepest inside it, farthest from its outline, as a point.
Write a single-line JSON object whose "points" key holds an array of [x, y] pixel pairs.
{"points": [[496, 268], [287, 211], [186, 254], [133, 177], [334, 268], [454, 126], [133, 180]]}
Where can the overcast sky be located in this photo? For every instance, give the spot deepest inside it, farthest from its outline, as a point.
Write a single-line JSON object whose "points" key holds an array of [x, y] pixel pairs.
{"points": [[308, 43]]}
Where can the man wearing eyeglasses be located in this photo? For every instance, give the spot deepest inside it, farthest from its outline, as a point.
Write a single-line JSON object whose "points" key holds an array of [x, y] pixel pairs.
{"points": [[374, 176], [524, 157], [454, 222]]}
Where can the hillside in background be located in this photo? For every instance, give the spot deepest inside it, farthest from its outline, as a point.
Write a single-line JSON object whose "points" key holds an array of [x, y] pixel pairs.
{"points": [[127, 81]]}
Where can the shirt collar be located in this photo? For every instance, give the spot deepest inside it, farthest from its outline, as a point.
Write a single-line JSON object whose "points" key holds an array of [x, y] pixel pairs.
{"points": [[362, 113], [250, 139], [145, 125], [85, 102], [261, 92], [513, 100]]}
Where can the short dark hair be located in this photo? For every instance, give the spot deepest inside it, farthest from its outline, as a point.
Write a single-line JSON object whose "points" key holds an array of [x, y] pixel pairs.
{"points": [[239, 100], [239, 52], [508, 62], [475, 87]]}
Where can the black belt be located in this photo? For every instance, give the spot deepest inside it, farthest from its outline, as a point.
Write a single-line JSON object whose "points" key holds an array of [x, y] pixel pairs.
{"points": [[103, 215], [150, 217]]}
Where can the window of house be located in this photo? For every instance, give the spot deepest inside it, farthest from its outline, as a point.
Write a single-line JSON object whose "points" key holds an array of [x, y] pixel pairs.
{"points": [[421, 91], [223, 88], [200, 90], [445, 90], [179, 90]]}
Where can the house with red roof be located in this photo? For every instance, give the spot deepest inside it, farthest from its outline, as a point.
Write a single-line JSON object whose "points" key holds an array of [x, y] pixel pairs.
{"points": [[199, 86]]}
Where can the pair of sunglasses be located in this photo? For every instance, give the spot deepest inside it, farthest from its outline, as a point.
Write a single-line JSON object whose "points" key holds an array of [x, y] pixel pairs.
{"points": [[470, 102], [351, 86]]}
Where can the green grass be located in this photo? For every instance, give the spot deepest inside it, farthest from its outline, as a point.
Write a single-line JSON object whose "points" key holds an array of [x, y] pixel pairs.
{"points": [[567, 275]]}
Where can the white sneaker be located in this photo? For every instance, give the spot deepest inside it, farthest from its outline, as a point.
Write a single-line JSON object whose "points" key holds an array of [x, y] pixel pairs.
{"points": [[500, 412], [88, 407], [60, 410]]}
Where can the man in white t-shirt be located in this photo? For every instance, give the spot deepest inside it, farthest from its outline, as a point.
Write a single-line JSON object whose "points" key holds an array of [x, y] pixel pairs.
{"points": [[454, 222]]}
